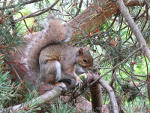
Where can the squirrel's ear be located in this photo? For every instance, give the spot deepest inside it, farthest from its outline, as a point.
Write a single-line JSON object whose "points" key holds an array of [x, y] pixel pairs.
{"points": [[80, 51]]}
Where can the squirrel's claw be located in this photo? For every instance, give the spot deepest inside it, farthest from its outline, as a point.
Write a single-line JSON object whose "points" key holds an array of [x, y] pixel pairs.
{"points": [[79, 82], [62, 85]]}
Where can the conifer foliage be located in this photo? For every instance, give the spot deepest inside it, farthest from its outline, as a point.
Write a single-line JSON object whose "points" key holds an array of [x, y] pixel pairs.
{"points": [[121, 54]]}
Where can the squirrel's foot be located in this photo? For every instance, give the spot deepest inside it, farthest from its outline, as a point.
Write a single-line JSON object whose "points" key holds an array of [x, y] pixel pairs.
{"points": [[62, 85], [79, 82]]}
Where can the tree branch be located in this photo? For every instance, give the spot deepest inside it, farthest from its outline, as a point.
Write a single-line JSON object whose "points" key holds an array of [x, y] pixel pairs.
{"points": [[80, 5], [24, 3], [37, 13], [148, 86], [91, 18], [111, 94], [123, 61], [48, 96], [124, 11], [96, 94]]}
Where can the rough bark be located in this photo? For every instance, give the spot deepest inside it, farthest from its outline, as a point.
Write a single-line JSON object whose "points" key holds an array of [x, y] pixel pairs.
{"points": [[96, 95], [113, 99], [92, 18]]}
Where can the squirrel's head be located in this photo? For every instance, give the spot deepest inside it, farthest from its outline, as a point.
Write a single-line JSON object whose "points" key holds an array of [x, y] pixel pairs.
{"points": [[84, 60]]}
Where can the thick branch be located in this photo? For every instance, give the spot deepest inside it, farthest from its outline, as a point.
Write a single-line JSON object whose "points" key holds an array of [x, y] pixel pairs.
{"points": [[89, 18], [111, 94], [93, 18], [134, 28], [96, 94]]}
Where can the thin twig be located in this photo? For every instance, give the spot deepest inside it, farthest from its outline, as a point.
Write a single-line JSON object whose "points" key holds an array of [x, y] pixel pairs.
{"points": [[147, 16], [24, 3], [80, 5], [25, 22], [37, 13], [125, 60]]}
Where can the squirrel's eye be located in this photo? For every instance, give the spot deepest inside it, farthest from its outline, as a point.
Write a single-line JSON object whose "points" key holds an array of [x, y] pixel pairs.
{"points": [[84, 60]]}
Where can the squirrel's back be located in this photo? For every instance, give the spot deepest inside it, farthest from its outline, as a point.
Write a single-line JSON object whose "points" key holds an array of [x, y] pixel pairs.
{"points": [[55, 32]]}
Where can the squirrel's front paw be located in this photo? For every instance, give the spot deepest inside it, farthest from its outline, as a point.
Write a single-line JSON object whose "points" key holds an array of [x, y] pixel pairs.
{"points": [[79, 82], [62, 85]]}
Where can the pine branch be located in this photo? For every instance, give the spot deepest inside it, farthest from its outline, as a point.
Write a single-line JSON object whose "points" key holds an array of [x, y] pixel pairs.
{"points": [[24, 3], [124, 11], [37, 13], [48, 96]]}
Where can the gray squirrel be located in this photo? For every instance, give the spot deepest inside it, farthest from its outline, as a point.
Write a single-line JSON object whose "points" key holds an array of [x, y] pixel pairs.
{"points": [[51, 59]]}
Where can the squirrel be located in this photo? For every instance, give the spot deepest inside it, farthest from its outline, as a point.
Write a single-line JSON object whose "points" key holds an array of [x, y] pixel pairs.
{"points": [[51, 59]]}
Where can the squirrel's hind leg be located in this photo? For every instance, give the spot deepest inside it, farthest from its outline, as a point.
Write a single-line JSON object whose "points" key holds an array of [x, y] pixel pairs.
{"points": [[51, 73]]}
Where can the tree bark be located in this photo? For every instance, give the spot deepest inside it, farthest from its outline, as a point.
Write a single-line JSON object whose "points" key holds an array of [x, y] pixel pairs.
{"points": [[91, 18], [96, 95]]}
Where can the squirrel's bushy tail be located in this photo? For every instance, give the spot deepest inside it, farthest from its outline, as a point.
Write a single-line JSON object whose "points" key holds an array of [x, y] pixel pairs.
{"points": [[54, 32]]}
